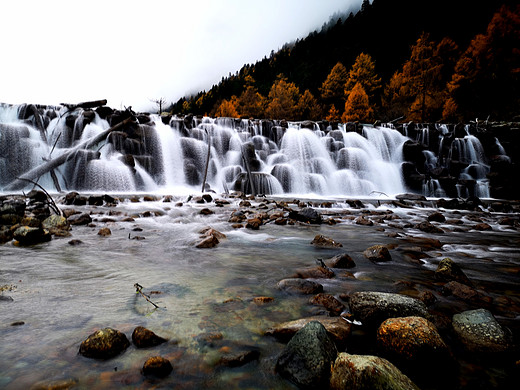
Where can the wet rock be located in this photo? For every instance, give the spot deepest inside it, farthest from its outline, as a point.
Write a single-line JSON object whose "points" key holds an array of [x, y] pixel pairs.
{"points": [[427, 227], [365, 372], [55, 223], [26, 235], [337, 328], [262, 300], [208, 242], [479, 332], [307, 215], [436, 217], [157, 366], [299, 286], [307, 358], [206, 211], [407, 196], [80, 219], [10, 219], [412, 340], [145, 338], [254, 223], [333, 306], [13, 207], [58, 384], [426, 243], [482, 227], [95, 200], [460, 290], [104, 232], [448, 270], [314, 273], [340, 261], [104, 344], [238, 355], [75, 242], [372, 308], [377, 253], [208, 232], [363, 221], [321, 241]]}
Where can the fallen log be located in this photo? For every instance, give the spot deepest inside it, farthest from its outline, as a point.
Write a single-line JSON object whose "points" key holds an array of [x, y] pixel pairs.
{"points": [[40, 170], [85, 105]]}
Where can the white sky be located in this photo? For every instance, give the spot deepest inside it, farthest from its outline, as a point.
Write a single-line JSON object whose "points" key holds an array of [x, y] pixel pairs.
{"points": [[129, 52]]}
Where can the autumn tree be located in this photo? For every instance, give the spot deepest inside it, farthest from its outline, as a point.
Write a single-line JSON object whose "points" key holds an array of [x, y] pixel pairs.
{"points": [[333, 88], [486, 80], [363, 72], [308, 107], [333, 115], [227, 108], [283, 100], [250, 102], [357, 106]]}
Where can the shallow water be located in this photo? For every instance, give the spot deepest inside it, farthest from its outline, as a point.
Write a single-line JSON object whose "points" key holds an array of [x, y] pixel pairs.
{"points": [[63, 293]]}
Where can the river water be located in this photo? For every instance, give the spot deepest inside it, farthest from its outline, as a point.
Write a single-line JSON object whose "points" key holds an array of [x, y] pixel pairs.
{"points": [[61, 293]]}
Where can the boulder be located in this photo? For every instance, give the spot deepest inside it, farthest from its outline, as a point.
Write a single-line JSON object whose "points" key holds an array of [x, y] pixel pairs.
{"points": [[307, 215], [79, 219], [56, 223], [377, 253], [479, 332], [299, 286], [412, 340], [363, 221], [308, 357], [333, 306], [372, 308], [314, 273], [144, 338], [448, 270], [321, 241], [157, 366], [460, 290], [427, 227], [340, 261], [365, 372], [26, 235], [208, 242], [104, 232], [436, 217], [104, 344]]}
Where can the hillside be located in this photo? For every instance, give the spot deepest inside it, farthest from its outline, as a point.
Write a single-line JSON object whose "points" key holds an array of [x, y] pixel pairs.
{"points": [[385, 30]]}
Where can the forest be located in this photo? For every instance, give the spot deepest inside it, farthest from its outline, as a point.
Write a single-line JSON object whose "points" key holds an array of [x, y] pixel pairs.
{"points": [[400, 60]]}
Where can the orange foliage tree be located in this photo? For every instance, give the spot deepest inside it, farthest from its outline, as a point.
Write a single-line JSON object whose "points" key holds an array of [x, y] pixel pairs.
{"points": [[308, 107], [333, 88], [363, 72], [250, 102], [487, 76], [227, 108], [357, 106], [283, 100]]}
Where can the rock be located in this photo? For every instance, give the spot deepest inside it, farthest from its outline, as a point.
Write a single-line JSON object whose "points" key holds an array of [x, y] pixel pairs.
{"points": [[482, 227], [410, 197], [307, 358], [262, 300], [157, 366], [460, 290], [427, 227], [479, 332], [426, 243], [372, 308], [314, 273], [337, 328], [26, 235], [55, 223], [104, 344], [79, 219], [208, 242], [58, 384], [206, 211], [144, 338], [340, 261], [307, 215], [104, 232], [363, 221], [436, 217], [321, 241], [254, 223], [208, 232], [299, 286], [365, 372], [237, 356], [377, 253], [412, 340], [333, 306], [448, 270], [75, 242]]}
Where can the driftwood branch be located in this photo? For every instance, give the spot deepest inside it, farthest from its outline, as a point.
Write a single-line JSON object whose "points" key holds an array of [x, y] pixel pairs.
{"points": [[40, 170], [51, 202], [139, 290], [85, 105]]}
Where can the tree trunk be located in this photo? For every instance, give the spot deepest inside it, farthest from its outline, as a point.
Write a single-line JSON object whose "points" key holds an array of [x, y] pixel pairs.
{"points": [[40, 170]]}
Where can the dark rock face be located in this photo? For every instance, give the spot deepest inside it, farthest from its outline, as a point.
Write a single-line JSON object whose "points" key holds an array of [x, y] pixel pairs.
{"points": [[333, 306], [341, 261], [372, 308], [479, 332], [307, 215], [26, 235], [365, 372], [104, 344], [157, 366], [80, 219], [144, 338], [308, 357]]}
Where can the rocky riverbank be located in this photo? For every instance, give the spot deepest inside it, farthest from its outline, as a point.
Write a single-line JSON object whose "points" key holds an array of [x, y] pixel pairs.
{"points": [[442, 325]]}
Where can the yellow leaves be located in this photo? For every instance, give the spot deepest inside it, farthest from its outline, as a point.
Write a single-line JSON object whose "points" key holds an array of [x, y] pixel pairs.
{"points": [[357, 107]]}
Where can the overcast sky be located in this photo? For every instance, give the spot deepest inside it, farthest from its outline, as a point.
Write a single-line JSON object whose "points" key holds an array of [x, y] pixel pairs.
{"points": [[131, 52]]}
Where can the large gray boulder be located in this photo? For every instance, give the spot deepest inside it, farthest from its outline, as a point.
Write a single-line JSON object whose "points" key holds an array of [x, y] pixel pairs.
{"points": [[308, 357], [372, 308], [364, 372]]}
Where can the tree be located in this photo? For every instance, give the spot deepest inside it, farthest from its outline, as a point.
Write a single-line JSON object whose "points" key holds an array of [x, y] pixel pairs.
{"points": [[364, 72], [333, 88], [227, 108], [308, 107], [250, 102], [283, 99], [357, 107], [161, 103], [333, 114], [487, 76]]}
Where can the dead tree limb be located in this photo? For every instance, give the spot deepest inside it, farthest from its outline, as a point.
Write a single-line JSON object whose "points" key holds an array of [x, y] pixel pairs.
{"points": [[40, 170], [85, 105], [50, 201], [139, 290]]}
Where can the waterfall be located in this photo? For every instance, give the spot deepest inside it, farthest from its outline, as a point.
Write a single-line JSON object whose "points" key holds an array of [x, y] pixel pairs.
{"points": [[172, 156]]}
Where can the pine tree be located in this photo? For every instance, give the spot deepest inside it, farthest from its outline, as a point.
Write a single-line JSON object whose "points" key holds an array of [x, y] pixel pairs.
{"points": [[308, 107], [250, 102], [283, 100], [227, 108], [357, 107], [364, 72], [333, 88]]}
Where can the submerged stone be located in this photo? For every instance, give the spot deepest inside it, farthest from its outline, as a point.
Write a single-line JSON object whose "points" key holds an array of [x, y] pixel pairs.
{"points": [[300, 286], [157, 366], [144, 338], [321, 241], [104, 344]]}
